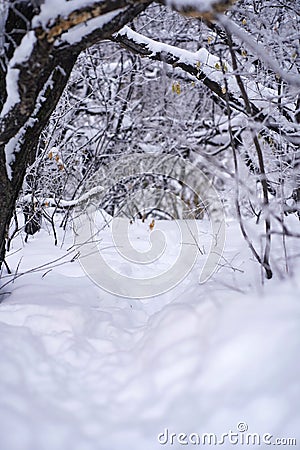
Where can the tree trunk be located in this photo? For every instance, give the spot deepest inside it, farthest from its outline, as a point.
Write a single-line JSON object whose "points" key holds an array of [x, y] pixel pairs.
{"points": [[41, 69], [7, 202], [10, 189]]}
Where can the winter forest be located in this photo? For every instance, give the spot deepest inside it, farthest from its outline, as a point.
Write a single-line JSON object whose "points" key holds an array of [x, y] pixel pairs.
{"points": [[149, 224]]}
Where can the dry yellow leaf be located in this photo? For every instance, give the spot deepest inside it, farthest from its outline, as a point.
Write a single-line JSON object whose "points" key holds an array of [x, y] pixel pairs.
{"points": [[176, 88]]}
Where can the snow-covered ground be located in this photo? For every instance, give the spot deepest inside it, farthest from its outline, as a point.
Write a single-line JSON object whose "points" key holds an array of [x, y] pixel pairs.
{"points": [[82, 369]]}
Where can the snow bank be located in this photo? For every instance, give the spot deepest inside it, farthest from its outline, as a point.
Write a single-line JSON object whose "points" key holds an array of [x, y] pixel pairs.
{"points": [[85, 370]]}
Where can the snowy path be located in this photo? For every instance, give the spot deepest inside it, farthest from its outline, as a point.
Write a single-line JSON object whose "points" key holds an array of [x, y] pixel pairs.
{"points": [[84, 370]]}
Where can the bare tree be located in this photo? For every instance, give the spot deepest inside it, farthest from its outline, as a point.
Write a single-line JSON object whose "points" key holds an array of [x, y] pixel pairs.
{"points": [[40, 42], [253, 89]]}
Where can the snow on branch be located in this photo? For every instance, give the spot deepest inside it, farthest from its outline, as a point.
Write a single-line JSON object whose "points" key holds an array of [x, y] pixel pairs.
{"points": [[259, 50], [57, 16], [60, 203], [200, 64], [76, 25], [73, 21], [77, 34], [212, 72], [21, 55], [70, 14]]}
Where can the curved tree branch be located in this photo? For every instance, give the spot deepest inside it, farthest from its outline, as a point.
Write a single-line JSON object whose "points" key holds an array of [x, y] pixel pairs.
{"points": [[211, 71]]}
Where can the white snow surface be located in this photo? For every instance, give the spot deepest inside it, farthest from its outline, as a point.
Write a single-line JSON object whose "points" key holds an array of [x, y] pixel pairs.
{"points": [[84, 370]]}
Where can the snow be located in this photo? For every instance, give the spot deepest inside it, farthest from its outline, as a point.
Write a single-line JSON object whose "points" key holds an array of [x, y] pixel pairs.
{"points": [[64, 8], [51, 9], [155, 47], [21, 54], [259, 50], [13, 146], [66, 203], [84, 369], [207, 63], [266, 99], [166, 264], [77, 33]]}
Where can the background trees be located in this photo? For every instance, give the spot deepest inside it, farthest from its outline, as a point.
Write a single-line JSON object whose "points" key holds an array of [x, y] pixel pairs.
{"points": [[223, 93]]}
